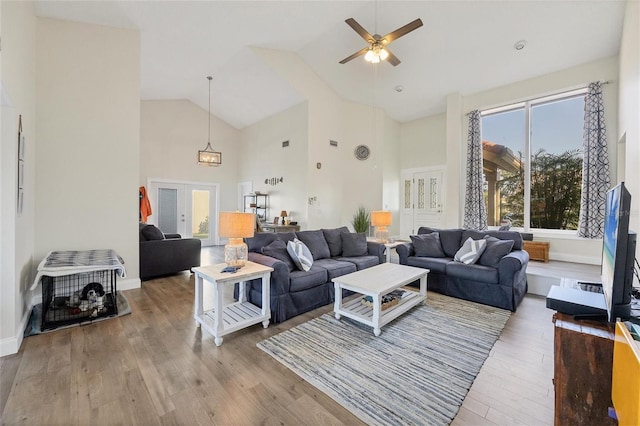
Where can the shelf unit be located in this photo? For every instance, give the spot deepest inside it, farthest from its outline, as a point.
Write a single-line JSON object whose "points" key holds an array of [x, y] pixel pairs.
{"points": [[257, 204]]}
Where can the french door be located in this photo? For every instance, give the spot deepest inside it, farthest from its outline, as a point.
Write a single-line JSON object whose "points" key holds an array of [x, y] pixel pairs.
{"points": [[188, 209], [422, 201]]}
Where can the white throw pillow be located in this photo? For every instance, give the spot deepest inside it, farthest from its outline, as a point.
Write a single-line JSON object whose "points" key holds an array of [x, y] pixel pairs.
{"points": [[470, 251], [300, 254]]}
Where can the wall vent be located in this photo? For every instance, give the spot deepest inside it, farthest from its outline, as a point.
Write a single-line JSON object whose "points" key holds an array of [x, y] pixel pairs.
{"points": [[333, 143], [285, 144]]}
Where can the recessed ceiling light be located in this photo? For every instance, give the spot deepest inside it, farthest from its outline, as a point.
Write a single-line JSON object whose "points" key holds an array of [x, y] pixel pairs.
{"points": [[520, 44]]}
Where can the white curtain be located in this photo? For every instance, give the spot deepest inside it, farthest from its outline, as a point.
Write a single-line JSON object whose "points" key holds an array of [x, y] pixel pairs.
{"points": [[595, 167], [475, 212]]}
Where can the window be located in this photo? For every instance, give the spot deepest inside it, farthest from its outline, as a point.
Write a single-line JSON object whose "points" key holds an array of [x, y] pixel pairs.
{"points": [[532, 160]]}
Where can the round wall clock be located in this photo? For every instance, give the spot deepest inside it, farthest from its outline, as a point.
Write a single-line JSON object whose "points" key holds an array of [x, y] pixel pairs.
{"points": [[362, 152]]}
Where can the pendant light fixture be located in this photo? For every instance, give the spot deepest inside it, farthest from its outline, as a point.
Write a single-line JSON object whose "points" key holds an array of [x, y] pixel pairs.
{"points": [[209, 157]]}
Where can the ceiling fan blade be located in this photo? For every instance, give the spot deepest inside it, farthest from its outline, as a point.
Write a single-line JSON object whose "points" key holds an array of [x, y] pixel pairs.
{"points": [[392, 59], [355, 55], [359, 29], [402, 31]]}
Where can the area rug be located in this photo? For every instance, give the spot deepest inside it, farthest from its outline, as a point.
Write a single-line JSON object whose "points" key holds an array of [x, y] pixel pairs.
{"points": [[418, 371], [35, 320]]}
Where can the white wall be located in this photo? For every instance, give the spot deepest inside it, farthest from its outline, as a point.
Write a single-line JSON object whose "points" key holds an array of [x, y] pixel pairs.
{"points": [[263, 157], [18, 24], [629, 117], [424, 142], [172, 132], [88, 133]]}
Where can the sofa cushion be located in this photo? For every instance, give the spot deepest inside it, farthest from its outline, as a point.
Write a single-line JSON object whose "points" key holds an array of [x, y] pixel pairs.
{"points": [[361, 262], [278, 250], [303, 280], [496, 250], [470, 251], [334, 241], [353, 244], [259, 240], [434, 264], [501, 235], [152, 233], [335, 268], [473, 272], [450, 239], [300, 254], [427, 245], [316, 243]]}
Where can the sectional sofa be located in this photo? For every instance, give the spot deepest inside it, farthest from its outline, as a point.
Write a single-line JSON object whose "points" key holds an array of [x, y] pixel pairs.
{"points": [[294, 291], [498, 278]]}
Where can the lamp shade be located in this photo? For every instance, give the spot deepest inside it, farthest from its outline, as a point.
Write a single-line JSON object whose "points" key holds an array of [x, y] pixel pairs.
{"points": [[283, 213], [381, 218], [236, 224]]}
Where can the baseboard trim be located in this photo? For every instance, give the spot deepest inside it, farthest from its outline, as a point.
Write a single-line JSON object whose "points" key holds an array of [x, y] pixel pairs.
{"points": [[129, 284], [11, 345], [564, 257]]}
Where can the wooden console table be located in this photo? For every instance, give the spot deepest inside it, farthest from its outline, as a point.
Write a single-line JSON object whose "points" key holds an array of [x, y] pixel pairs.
{"points": [[269, 227], [582, 371]]}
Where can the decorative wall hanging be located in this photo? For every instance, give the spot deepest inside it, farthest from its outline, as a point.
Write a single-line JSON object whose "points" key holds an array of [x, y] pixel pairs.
{"points": [[362, 152], [273, 181]]}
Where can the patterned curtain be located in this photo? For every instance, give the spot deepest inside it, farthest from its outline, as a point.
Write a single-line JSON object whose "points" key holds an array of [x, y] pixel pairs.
{"points": [[475, 213], [595, 167]]}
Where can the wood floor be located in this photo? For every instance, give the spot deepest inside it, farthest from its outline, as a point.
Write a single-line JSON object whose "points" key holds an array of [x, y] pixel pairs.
{"points": [[154, 367]]}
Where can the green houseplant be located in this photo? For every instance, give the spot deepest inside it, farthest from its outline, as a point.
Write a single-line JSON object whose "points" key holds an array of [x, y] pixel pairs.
{"points": [[360, 220]]}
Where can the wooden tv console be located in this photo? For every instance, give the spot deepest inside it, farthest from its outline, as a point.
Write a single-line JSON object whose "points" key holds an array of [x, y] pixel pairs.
{"points": [[583, 359]]}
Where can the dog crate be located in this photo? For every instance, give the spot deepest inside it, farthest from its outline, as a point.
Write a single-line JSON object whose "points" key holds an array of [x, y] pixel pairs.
{"points": [[77, 298]]}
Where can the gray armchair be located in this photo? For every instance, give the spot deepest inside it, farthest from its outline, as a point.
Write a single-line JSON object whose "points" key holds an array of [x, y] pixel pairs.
{"points": [[164, 254]]}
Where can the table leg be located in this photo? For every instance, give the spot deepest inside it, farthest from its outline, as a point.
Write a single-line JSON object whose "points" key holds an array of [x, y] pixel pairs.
{"points": [[198, 308], [337, 304], [423, 287], [377, 307], [242, 297], [388, 254], [266, 299], [218, 290]]}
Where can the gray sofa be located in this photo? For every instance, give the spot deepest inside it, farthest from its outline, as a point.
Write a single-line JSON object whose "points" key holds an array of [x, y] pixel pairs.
{"points": [[164, 254], [293, 291], [500, 281]]}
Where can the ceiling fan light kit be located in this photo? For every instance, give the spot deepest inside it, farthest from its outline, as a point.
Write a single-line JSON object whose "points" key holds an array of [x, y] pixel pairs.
{"points": [[377, 50]]}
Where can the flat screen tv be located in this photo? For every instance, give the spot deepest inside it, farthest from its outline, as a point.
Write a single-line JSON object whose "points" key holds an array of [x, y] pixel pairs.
{"points": [[618, 254]]}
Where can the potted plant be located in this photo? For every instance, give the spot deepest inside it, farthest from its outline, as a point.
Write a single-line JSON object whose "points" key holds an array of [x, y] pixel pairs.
{"points": [[361, 220]]}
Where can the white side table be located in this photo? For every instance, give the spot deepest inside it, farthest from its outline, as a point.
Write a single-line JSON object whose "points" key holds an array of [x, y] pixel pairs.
{"points": [[225, 319], [389, 247]]}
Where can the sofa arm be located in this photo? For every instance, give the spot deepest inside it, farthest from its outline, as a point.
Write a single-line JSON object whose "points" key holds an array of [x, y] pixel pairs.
{"points": [[162, 257], [376, 249], [512, 266], [172, 236], [404, 250], [279, 277]]}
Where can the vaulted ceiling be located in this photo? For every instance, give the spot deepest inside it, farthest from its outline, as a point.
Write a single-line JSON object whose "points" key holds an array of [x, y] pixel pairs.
{"points": [[464, 47]]}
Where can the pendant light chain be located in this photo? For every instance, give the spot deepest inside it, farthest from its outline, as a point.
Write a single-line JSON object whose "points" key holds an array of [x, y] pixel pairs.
{"points": [[209, 117]]}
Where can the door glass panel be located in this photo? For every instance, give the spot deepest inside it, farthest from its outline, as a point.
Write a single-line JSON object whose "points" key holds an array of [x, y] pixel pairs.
{"points": [[168, 210], [407, 194], [200, 219], [421, 193], [433, 193]]}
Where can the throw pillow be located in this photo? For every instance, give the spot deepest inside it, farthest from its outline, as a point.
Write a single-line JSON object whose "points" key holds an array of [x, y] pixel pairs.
{"points": [[427, 245], [151, 233], [334, 240], [470, 251], [278, 250], [316, 243], [354, 245], [496, 250], [300, 254]]}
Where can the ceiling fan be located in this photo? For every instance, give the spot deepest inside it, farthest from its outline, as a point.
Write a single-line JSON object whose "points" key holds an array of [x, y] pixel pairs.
{"points": [[377, 50]]}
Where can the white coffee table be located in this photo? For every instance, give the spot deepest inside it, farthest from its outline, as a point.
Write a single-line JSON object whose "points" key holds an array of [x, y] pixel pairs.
{"points": [[225, 319], [376, 282]]}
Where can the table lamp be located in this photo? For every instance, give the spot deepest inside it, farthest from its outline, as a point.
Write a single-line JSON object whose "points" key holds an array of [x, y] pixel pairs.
{"points": [[381, 219], [236, 226], [283, 214]]}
